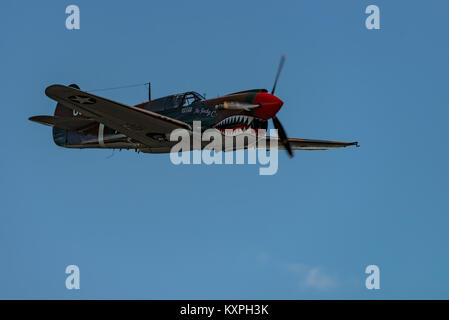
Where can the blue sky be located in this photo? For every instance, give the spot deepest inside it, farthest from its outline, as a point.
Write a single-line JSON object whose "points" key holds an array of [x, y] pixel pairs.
{"points": [[140, 227]]}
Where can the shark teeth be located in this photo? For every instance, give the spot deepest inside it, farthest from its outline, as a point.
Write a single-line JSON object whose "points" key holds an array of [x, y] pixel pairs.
{"points": [[235, 125], [234, 121]]}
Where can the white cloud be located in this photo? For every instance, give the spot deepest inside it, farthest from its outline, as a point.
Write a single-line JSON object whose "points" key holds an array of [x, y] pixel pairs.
{"points": [[313, 277]]}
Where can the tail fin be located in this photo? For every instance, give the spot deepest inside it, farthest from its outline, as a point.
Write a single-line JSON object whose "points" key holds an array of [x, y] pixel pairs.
{"points": [[68, 125], [60, 135]]}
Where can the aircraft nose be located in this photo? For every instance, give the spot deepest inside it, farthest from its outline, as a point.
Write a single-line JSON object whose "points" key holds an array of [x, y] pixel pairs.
{"points": [[269, 105]]}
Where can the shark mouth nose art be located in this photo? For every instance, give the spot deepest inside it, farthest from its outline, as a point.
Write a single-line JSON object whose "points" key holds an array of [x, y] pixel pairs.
{"points": [[235, 124]]}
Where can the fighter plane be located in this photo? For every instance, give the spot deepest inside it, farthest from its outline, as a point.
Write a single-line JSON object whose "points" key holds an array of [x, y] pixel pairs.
{"points": [[84, 120]]}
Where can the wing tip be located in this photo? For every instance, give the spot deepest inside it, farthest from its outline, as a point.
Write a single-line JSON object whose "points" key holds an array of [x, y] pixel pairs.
{"points": [[49, 89], [350, 144]]}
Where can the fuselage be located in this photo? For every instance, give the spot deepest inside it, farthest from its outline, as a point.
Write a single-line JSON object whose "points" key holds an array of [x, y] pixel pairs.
{"points": [[231, 114]]}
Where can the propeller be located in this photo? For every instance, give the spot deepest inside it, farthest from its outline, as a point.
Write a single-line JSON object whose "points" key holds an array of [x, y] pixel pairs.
{"points": [[281, 64], [282, 136], [277, 124]]}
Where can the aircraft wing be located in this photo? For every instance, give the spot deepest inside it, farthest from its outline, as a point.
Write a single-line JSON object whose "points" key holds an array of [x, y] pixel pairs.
{"points": [[295, 143], [136, 123], [309, 144]]}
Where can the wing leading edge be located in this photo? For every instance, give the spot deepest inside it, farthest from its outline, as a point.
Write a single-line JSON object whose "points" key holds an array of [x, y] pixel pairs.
{"points": [[310, 144], [296, 144]]}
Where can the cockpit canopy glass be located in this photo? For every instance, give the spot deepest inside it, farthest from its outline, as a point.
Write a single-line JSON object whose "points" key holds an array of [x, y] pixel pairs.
{"points": [[176, 100], [191, 97]]}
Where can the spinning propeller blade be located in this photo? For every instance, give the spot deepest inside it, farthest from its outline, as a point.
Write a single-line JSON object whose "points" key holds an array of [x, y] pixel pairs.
{"points": [[277, 124], [281, 64], [282, 135]]}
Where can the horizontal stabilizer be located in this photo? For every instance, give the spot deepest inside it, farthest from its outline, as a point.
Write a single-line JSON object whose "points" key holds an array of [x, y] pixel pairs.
{"points": [[63, 122]]}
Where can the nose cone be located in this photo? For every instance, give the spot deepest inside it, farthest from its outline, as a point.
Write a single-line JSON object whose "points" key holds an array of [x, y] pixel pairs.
{"points": [[269, 105]]}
